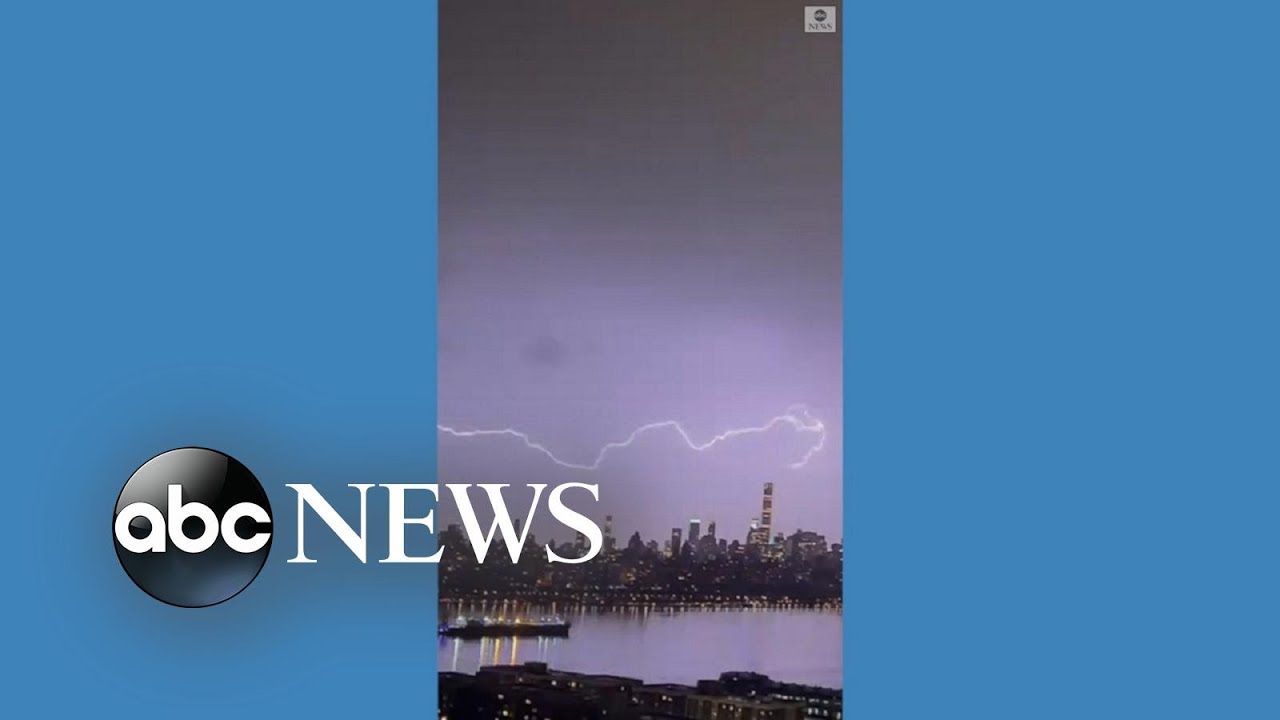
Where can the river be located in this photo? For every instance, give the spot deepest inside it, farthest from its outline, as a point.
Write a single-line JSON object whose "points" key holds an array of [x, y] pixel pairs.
{"points": [[660, 645]]}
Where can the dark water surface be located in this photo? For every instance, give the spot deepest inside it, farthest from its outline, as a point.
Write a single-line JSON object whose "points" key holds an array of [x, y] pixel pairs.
{"points": [[662, 645]]}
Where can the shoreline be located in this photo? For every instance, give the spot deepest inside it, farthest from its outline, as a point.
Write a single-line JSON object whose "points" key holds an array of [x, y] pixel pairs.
{"points": [[652, 603]]}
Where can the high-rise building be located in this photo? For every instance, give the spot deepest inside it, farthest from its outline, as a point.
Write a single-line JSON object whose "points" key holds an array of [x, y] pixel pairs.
{"points": [[761, 530], [806, 544], [695, 527], [609, 542], [711, 530], [675, 541], [766, 509]]}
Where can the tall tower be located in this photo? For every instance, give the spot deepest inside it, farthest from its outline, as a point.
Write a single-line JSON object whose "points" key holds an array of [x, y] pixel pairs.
{"points": [[766, 510], [609, 542], [675, 541], [761, 530], [695, 530]]}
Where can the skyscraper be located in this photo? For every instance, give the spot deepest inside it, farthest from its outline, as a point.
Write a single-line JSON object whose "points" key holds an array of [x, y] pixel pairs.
{"points": [[761, 530], [675, 541], [609, 542], [695, 528], [766, 510], [711, 530], [805, 544]]}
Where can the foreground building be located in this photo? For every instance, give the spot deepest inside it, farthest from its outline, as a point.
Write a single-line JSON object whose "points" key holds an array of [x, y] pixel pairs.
{"points": [[533, 691]]}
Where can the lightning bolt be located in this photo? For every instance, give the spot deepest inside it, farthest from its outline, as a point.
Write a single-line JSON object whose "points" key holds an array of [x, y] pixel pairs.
{"points": [[797, 417]]}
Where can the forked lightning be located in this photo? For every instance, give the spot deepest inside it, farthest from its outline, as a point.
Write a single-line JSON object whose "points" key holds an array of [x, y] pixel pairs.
{"points": [[797, 417]]}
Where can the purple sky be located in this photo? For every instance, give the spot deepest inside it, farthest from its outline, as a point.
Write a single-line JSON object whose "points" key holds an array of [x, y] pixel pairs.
{"points": [[640, 221]]}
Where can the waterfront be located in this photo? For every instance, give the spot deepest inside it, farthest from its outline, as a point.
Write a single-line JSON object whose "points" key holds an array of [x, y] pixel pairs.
{"points": [[658, 644]]}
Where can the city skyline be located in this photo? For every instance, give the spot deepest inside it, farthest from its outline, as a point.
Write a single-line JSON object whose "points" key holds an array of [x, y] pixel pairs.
{"points": [[737, 528]]}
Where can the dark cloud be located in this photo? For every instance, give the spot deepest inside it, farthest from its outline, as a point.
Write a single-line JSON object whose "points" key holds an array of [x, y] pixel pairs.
{"points": [[544, 351]]}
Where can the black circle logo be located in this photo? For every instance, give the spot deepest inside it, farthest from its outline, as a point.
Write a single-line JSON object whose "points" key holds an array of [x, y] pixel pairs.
{"points": [[192, 527], [819, 15]]}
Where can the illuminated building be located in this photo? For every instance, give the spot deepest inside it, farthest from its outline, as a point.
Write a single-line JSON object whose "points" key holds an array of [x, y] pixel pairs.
{"points": [[819, 702], [761, 528], [805, 544], [533, 692], [766, 509], [609, 542]]}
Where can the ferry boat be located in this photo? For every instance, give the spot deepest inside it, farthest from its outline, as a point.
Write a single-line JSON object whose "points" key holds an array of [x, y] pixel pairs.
{"points": [[486, 627]]}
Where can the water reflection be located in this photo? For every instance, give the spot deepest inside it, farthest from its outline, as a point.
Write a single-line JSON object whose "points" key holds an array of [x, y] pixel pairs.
{"points": [[660, 644]]}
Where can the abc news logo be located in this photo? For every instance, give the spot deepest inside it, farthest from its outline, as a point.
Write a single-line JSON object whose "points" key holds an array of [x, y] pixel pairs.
{"points": [[215, 515], [192, 526], [820, 18]]}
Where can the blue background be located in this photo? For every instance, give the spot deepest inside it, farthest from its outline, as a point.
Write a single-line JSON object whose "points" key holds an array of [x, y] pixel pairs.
{"points": [[1061, 360], [218, 229]]}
